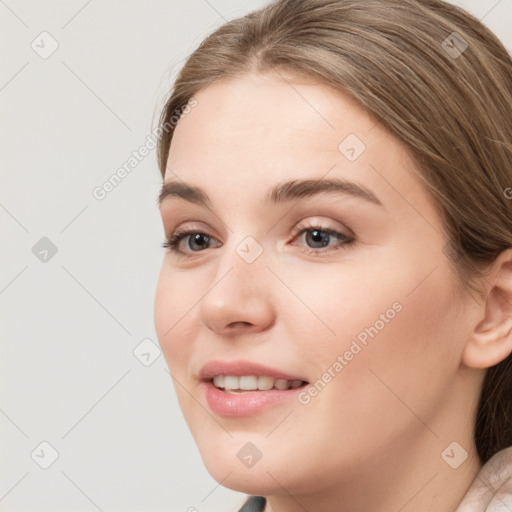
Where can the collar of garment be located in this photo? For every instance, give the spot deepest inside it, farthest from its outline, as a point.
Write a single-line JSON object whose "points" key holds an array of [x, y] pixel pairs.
{"points": [[491, 491]]}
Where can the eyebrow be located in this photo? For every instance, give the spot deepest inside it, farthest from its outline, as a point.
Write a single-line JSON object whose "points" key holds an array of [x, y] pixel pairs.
{"points": [[280, 193]]}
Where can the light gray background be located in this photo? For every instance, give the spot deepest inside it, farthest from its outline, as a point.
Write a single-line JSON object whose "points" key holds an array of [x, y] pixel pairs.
{"points": [[69, 326]]}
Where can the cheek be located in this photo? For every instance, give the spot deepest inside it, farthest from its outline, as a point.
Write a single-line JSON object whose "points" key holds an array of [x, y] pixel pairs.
{"points": [[175, 298], [176, 325], [398, 324], [397, 341]]}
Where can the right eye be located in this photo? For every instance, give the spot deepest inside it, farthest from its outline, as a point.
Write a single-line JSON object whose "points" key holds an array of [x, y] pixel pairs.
{"points": [[200, 241]]}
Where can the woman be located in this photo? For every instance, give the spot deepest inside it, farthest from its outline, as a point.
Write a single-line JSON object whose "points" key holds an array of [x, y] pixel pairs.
{"points": [[335, 304]]}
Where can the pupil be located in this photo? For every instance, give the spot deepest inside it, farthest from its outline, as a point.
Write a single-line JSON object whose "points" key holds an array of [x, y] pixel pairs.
{"points": [[318, 237], [200, 239]]}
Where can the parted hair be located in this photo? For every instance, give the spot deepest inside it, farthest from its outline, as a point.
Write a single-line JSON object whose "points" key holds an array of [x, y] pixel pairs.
{"points": [[431, 74]]}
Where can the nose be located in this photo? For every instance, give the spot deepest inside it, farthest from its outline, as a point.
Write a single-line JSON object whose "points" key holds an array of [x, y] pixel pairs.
{"points": [[240, 298]]}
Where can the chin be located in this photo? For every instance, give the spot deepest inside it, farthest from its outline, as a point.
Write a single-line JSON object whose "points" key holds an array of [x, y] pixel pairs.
{"points": [[255, 481], [224, 461]]}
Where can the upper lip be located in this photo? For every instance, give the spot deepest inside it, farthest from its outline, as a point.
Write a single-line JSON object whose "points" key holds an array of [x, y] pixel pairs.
{"points": [[240, 367]]}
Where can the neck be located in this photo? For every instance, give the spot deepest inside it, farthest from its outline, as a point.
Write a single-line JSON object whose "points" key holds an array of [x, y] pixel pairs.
{"points": [[422, 482]]}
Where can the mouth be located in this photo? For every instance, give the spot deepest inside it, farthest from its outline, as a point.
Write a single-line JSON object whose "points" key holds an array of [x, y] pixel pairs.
{"points": [[253, 383], [226, 394], [244, 388]]}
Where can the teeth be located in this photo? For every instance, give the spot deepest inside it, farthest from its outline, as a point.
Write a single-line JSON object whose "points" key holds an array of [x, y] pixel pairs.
{"points": [[281, 384], [248, 383], [231, 382], [218, 381], [253, 383], [265, 383]]}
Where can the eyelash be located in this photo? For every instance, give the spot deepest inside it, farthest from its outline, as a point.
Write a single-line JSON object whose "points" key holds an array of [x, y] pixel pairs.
{"points": [[172, 243]]}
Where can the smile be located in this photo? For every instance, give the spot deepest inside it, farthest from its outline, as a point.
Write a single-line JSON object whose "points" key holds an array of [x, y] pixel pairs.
{"points": [[244, 383]]}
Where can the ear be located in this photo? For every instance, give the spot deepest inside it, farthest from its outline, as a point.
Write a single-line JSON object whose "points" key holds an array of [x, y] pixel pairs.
{"points": [[490, 341]]}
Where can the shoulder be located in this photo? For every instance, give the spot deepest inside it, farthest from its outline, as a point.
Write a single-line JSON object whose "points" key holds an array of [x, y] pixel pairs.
{"points": [[491, 490]]}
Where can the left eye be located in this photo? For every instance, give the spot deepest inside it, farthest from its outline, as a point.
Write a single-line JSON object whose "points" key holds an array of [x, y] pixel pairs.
{"points": [[317, 237]]}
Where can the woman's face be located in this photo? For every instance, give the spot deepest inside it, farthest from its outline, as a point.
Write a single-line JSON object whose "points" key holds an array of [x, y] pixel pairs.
{"points": [[347, 289]]}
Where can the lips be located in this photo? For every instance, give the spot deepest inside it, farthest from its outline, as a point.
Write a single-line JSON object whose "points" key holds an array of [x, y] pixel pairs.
{"points": [[242, 368], [238, 402]]}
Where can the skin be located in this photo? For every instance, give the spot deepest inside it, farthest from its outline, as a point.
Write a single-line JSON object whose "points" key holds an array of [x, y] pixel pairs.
{"points": [[382, 422]]}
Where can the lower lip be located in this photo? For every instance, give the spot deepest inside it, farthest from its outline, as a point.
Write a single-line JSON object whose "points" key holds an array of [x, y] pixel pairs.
{"points": [[247, 402]]}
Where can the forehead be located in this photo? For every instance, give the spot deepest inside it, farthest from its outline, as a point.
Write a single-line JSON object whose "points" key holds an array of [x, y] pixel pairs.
{"points": [[255, 130], [255, 114]]}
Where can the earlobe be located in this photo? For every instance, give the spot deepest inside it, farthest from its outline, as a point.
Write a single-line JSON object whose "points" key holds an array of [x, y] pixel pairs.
{"points": [[490, 342]]}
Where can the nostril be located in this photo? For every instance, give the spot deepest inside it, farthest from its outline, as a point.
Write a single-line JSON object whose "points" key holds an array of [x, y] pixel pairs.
{"points": [[235, 325]]}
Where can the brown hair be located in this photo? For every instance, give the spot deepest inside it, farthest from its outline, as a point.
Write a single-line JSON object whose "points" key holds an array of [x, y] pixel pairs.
{"points": [[437, 79]]}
